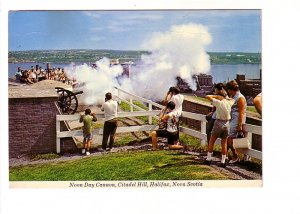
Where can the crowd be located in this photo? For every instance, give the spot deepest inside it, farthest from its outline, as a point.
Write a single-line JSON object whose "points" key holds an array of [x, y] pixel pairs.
{"points": [[35, 74], [226, 121]]}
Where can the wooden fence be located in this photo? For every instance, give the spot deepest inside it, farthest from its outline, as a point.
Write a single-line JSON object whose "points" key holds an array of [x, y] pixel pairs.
{"points": [[201, 135]]}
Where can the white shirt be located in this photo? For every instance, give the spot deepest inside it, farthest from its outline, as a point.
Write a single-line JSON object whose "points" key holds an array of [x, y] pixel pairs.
{"points": [[110, 108], [223, 108], [172, 125], [178, 100]]}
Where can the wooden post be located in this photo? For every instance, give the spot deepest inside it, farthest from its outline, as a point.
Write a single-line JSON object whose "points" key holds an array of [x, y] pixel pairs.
{"points": [[150, 117], [131, 106], [203, 131], [249, 136], [57, 138], [119, 100]]}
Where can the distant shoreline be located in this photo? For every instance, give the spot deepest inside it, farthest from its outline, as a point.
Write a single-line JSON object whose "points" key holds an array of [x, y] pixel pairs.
{"points": [[86, 56]]}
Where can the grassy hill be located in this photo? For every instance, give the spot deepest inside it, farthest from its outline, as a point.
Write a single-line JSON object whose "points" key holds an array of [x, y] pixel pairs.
{"points": [[68, 56]]}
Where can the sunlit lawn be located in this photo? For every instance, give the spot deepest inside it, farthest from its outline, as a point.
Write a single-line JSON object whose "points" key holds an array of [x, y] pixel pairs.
{"points": [[146, 165]]}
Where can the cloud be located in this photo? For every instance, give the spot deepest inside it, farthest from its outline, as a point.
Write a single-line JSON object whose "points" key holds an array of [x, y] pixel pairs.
{"points": [[98, 38], [32, 33], [93, 14], [119, 21], [144, 17]]}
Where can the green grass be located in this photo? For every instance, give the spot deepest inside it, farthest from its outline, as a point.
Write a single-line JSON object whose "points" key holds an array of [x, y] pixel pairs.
{"points": [[125, 140], [126, 107], [147, 165], [202, 99], [251, 109]]}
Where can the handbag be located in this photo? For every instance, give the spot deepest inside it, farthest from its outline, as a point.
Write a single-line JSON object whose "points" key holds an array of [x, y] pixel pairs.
{"points": [[241, 142]]}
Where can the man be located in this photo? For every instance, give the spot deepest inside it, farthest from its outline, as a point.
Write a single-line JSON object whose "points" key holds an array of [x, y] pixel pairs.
{"points": [[175, 96], [87, 120], [110, 108]]}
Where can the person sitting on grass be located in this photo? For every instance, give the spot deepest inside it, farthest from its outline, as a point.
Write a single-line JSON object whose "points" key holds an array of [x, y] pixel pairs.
{"points": [[171, 118], [220, 129], [87, 120]]}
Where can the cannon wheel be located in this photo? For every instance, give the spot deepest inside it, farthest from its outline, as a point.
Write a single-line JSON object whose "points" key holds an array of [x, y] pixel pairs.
{"points": [[67, 101]]}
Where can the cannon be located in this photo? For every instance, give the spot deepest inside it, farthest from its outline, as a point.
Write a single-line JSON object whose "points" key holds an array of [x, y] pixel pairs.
{"points": [[67, 100]]}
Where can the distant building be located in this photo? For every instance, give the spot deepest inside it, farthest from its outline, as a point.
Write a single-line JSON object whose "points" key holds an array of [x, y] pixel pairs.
{"points": [[249, 87], [126, 68], [114, 61], [203, 81]]}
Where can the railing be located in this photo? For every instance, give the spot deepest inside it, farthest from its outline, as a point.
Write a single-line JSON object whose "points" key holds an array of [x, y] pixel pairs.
{"points": [[201, 135]]}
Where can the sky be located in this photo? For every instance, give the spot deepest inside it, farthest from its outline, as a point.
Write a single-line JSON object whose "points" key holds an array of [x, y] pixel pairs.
{"points": [[230, 30], [280, 52]]}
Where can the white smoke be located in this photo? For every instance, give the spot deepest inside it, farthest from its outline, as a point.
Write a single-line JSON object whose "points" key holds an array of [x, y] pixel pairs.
{"points": [[177, 52], [95, 82]]}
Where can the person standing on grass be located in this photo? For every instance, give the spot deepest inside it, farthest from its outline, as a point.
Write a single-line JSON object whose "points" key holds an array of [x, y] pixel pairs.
{"points": [[220, 128], [110, 108], [87, 120], [211, 117], [238, 117]]}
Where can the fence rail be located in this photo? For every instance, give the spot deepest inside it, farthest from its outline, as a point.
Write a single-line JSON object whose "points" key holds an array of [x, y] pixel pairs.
{"points": [[201, 135]]}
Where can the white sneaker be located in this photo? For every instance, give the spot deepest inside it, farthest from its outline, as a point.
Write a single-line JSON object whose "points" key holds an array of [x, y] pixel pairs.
{"points": [[87, 153], [83, 151]]}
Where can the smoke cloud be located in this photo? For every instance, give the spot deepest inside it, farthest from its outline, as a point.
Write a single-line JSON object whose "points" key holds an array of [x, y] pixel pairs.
{"points": [[179, 51]]}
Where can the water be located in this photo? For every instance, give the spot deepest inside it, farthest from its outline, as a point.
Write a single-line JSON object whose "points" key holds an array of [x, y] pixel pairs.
{"points": [[219, 72], [225, 72]]}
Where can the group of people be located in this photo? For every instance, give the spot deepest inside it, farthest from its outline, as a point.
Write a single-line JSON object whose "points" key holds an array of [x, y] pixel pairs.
{"points": [[169, 116], [34, 75], [227, 121]]}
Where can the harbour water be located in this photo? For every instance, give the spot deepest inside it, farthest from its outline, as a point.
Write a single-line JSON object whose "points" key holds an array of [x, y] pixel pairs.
{"points": [[219, 72]]}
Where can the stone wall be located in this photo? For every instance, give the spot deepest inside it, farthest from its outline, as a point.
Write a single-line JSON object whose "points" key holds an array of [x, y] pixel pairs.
{"points": [[32, 119], [32, 128]]}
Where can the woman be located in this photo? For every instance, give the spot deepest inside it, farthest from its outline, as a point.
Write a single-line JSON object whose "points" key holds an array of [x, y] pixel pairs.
{"points": [[238, 116]]}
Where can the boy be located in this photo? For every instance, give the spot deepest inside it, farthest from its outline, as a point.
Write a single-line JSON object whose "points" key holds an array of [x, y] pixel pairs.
{"points": [[87, 120], [221, 125]]}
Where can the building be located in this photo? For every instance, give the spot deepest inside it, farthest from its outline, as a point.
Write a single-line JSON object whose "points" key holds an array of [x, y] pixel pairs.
{"points": [[126, 68], [203, 81], [249, 87]]}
